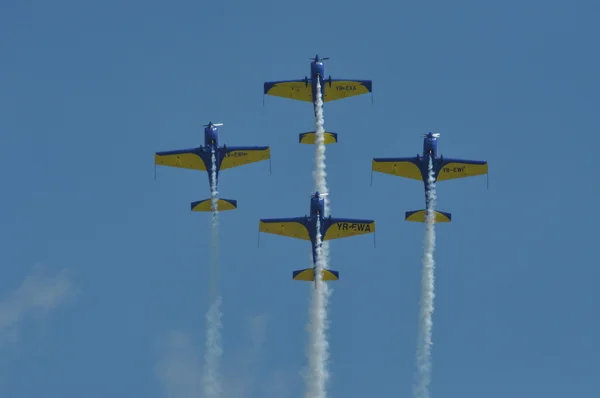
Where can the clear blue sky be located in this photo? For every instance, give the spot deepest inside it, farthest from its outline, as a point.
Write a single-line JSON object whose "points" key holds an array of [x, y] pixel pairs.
{"points": [[90, 90]]}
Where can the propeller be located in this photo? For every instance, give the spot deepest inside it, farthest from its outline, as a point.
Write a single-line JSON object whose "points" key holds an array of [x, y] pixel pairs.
{"points": [[213, 124], [434, 135], [320, 194], [319, 59]]}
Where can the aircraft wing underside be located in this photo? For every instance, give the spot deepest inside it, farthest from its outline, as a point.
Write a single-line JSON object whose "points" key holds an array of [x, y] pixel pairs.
{"points": [[459, 168], [241, 155], [401, 167], [183, 158], [345, 227], [291, 227], [344, 88], [301, 89], [293, 89]]}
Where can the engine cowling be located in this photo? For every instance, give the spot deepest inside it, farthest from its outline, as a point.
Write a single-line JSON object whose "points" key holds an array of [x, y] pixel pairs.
{"points": [[306, 81]]}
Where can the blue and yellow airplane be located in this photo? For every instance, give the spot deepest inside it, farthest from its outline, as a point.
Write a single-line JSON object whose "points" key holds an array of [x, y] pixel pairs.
{"points": [[416, 168], [305, 228], [200, 158], [306, 90]]}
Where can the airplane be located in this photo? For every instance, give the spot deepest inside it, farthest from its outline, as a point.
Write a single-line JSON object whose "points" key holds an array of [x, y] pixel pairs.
{"points": [[305, 228], [200, 158], [306, 90], [416, 168]]}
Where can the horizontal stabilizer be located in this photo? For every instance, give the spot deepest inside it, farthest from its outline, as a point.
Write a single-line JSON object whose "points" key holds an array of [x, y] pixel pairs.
{"points": [[311, 138], [419, 216], [222, 205], [309, 275]]}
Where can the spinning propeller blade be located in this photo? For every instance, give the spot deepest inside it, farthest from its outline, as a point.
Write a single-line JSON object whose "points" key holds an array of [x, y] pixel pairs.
{"points": [[213, 124], [320, 59]]}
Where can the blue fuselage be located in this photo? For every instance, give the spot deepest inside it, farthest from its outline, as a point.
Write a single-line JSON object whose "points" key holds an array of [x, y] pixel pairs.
{"points": [[430, 147], [317, 210], [430, 151], [317, 73], [211, 136], [211, 141]]}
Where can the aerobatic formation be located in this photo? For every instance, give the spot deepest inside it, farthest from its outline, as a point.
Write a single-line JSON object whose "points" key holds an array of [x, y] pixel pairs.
{"points": [[318, 226]]}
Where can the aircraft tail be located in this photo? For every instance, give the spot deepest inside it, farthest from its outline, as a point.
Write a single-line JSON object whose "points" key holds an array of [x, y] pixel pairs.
{"points": [[308, 275], [419, 216], [222, 205], [311, 138]]}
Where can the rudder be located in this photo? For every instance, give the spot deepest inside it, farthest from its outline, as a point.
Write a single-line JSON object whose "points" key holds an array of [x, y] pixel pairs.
{"points": [[311, 138], [419, 216], [222, 205], [308, 275]]}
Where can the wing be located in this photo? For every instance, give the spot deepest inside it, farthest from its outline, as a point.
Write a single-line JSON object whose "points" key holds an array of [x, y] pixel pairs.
{"points": [[402, 167], [184, 158], [290, 227], [345, 227], [242, 155], [346, 88], [300, 90], [459, 168]]}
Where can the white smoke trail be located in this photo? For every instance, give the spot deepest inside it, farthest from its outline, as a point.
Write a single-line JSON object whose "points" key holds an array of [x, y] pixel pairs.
{"points": [[320, 173], [214, 236], [421, 389], [211, 382], [319, 346]]}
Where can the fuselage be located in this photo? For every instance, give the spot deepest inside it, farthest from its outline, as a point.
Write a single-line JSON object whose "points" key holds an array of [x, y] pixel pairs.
{"points": [[317, 71], [430, 146], [211, 142], [317, 217], [430, 151], [317, 74], [211, 135]]}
